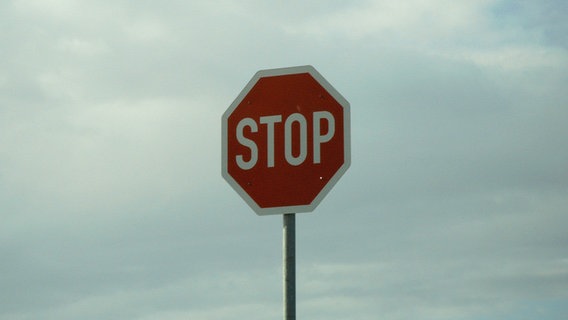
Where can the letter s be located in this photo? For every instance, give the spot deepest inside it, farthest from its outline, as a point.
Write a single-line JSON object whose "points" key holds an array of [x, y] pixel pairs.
{"points": [[246, 165]]}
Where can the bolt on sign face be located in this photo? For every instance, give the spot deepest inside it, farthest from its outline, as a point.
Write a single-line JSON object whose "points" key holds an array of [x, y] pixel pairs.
{"points": [[285, 140]]}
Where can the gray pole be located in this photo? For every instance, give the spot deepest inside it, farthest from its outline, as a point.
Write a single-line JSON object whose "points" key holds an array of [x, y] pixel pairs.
{"points": [[289, 255]]}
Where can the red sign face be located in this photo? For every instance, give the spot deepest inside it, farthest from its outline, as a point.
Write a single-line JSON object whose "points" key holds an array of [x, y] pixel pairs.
{"points": [[286, 140]]}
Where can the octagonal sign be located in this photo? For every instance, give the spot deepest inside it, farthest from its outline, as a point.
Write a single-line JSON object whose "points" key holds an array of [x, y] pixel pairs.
{"points": [[285, 140]]}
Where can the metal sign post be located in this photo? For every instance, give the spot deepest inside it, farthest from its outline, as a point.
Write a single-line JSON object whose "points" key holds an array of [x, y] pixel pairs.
{"points": [[286, 141], [289, 272]]}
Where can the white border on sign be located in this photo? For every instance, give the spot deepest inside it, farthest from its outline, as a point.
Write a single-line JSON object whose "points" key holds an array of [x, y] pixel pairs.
{"points": [[346, 136]]}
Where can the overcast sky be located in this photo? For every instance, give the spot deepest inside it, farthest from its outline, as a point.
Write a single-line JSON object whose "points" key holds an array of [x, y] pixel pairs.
{"points": [[112, 204]]}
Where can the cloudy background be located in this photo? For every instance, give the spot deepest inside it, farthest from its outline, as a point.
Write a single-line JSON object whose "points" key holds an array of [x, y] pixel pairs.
{"points": [[112, 204]]}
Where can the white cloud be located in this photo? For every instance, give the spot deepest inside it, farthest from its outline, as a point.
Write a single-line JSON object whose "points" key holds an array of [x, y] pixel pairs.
{"points": [[83, 47], [59, 9], [118, 151], [520, 58], [409, 21]]}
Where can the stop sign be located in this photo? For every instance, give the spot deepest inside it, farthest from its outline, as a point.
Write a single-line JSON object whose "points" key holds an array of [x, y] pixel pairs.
{"points": [[285, 140]]}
